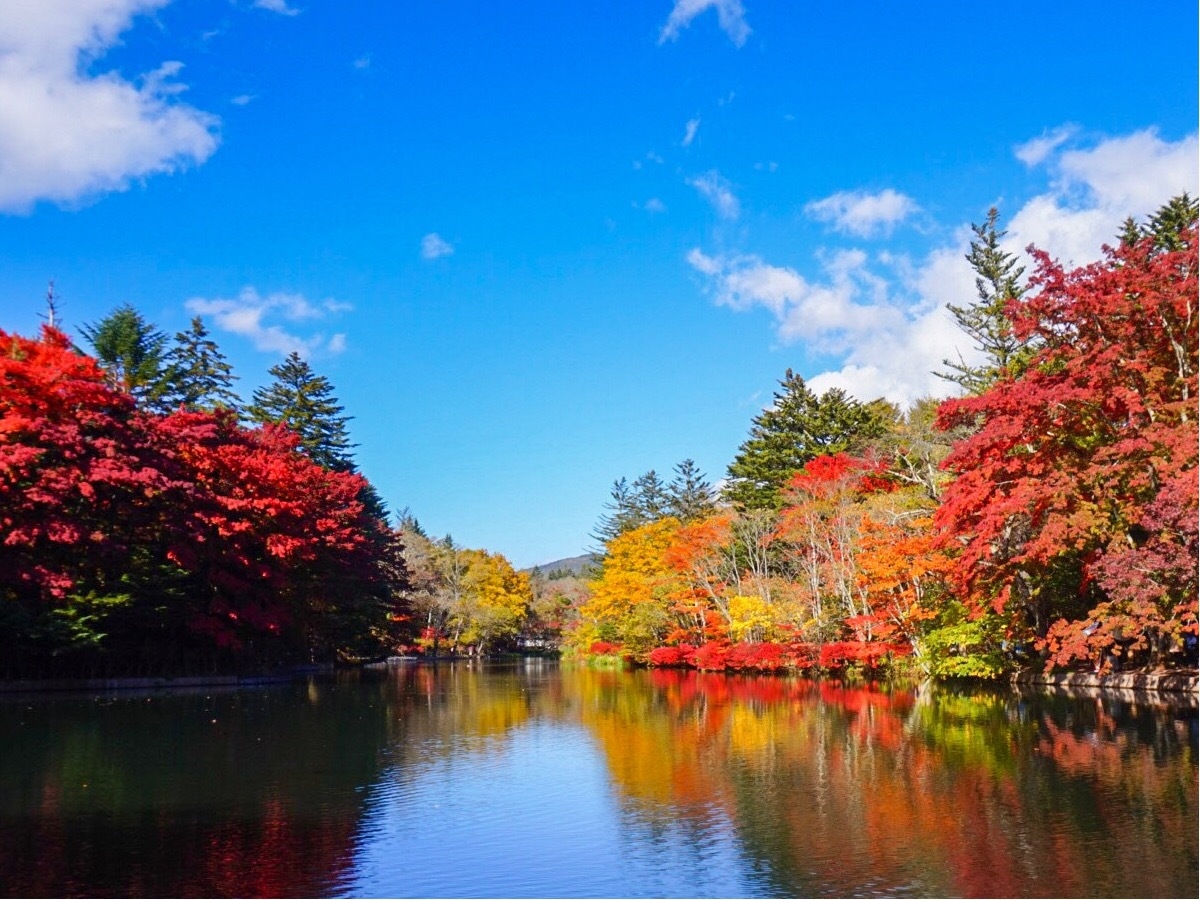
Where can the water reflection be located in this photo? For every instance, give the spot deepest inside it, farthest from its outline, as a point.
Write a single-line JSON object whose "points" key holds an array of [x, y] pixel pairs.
{"points": [[848, 791], [220, 794], [530, 780]]}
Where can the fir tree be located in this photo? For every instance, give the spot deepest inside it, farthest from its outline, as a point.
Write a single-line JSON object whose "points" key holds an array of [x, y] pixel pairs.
{"points": [[623, 513], [691, 496], [304, 402], [200, 378], [650, 496], [797, 428], [131, 350], [985, 321], [1168, 227]]}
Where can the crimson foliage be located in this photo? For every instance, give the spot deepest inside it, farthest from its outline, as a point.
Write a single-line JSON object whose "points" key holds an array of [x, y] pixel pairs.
{"points": [[134, 541], [1074, 502]]}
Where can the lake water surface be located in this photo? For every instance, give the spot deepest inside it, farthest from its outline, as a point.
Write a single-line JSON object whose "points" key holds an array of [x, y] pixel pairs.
{"points": [[534, 780]]}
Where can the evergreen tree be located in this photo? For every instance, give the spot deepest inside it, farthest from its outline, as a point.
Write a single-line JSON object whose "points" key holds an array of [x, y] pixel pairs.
{"points": [[623, 513], [651, 497], [998, 282], [691, 497], [1168, 226], [797, 428], [200, 378], [130, 349], [304, 402]]}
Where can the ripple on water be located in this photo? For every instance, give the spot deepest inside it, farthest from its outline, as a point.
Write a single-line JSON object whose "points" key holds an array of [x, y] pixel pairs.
{"points": [[532, 814]]}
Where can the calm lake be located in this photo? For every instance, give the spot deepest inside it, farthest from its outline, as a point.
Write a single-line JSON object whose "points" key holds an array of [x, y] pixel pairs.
{"points": [[531, 779]]}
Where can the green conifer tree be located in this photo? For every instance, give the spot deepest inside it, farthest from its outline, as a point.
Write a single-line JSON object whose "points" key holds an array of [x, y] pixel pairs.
{"points": [[691, 495], [797, 428], [623, 513], [131, 350], [200, 378], [304, 402], [1168, 226], [998, 282], [653, 501]]}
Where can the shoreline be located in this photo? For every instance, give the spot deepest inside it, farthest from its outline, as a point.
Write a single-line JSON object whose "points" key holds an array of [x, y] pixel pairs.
{"points": [[1173, 689], [1129, 685], [1186, 681], [187, 682]]}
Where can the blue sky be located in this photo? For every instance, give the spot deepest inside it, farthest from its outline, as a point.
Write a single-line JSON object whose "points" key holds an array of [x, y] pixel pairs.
{"points": [[536, 247]]}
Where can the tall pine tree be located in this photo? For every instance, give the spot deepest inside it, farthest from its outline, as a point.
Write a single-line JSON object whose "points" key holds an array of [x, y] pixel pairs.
{"points": [[985, 321], [304, 402], [199, 376], [691, 496], [132, 351], [797, 428], [1168, 227]]}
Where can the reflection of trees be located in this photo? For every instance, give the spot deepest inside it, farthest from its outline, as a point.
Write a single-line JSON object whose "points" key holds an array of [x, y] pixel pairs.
{"points": [[255, 793], [449, 708], [827, 789], [849, 789]]}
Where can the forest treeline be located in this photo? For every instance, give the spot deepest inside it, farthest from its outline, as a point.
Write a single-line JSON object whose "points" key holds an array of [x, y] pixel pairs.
{"points": [[151, 522], [1047, 516]]}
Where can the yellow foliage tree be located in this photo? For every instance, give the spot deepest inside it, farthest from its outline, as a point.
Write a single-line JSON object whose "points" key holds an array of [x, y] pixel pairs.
{"points": [[630, 600], [493, 601]]}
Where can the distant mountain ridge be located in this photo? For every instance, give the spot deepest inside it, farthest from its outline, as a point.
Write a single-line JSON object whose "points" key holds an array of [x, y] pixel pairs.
{"points": [[573, 564]]}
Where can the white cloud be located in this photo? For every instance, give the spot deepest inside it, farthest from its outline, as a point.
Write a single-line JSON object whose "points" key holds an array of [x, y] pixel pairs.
{"points": [[890, 342], [434, 246], [66, 134], [654, 205], [1035, 151], [1093, 189], [730, 16], [861, 214], [277, 6], [831, 311], [363, 62], [689, 131], [242, 99], [717, 191], [250, 315], [885, 317]]}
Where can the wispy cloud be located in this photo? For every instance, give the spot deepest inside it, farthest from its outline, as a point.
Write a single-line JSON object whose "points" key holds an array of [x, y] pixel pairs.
{"points": [[730, 16], [434, 246], [242, 99], [363, 62], [861, 214], [689, 131], [277, 6], [1035, 151], [717, 191], [654, 205], [65, 134], [258, 319]]}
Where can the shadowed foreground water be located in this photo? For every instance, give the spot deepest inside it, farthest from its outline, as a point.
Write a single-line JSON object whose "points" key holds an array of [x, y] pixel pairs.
{"points": [[532, 780]]}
